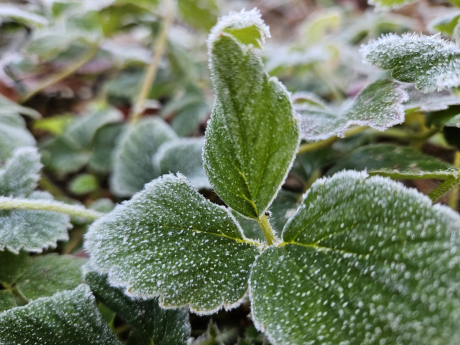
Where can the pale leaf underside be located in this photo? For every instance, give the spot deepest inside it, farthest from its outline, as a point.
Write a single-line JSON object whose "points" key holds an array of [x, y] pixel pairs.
{"points": [[169, 241], [364, 261], [379, 105]]}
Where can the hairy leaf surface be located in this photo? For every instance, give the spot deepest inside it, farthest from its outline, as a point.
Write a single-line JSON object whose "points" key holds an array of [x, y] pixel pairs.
{"points": [[132, 165], [169, 241], [252, 137], [151, 323], [184, 156], [364, 261], [69, 317], [20, 174], [396, 162], [434, 101], [379, 105], [32, 231], [430, 62], [49, 274]]}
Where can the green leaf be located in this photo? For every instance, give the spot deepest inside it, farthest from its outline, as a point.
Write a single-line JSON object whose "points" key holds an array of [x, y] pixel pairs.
{"points": [[6, 300], [169, 241], [199, 14], [389, 4], [151, 323], [184, 156], [50, 274], [430, 62], [12, 137], [445, 24], [21, 15], [364, 261], [20, 174], [252, 137], [12, 266], [58, 155], [69, 317], [396, 162], [132, 164], [54, 124], [83, 184], [434, 101], [378, 105], [103, 146], [32, 231], [8, 107]]}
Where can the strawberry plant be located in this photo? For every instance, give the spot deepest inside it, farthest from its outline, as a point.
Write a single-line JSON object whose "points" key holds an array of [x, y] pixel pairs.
{"points": [[287, 210]]}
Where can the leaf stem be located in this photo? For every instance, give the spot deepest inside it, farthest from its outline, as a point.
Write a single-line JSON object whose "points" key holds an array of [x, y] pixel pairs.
{"points": [[14, 290], [58, 76], [267, 229], [443, 188], [158, 49], [48, 205], [325, 143], [453, 201]]}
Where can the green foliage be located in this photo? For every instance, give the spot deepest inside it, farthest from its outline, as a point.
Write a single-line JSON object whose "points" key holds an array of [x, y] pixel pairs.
{"points": [[252, 136], [13, 265], [69, 317]]}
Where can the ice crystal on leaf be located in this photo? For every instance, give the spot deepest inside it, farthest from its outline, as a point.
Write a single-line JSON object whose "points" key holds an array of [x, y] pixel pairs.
{"points": [[364, 261], [169, 241], [379, 105], [430, 62], [252, 136], [69, 317]]}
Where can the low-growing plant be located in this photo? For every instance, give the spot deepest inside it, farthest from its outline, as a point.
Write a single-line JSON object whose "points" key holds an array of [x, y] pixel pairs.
{"points": [[357, 259]]}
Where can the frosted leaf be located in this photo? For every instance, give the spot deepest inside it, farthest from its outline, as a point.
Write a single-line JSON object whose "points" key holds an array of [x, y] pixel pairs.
{"points": [[364, 261], [6, 300], [430, 62], [49, 274], [184, 156], [20, 15], [12, 109], [434, 101], [132, 163], [13, 136], [445, 24], [396, 162], [104, 142], [199, 14], [12, 266], [169, 241], [151, 323], [20, 174], [378, 105], [69, 317], [389, 4], [32, 231], [252, 136]]}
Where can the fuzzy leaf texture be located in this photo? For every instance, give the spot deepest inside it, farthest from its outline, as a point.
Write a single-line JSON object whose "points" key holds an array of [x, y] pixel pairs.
{"points": [[169, 241], [430, 62], [69, 317], [13, 135], [395, 162], [150, 322], [378, 105], [132, 165], [364, 261], [184, 156], [252, 136]]}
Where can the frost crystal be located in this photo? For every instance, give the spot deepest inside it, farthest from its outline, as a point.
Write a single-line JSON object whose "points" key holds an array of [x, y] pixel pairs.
{"points": [[169, 241], [430, 62]]}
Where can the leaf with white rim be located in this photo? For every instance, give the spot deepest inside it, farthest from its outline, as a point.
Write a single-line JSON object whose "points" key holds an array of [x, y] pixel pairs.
{"points": [[430, 62], [132, 162], [357, 266], [396, 162], [184, 156], [378, 105], [32, 231], [168, 241], [252, 136], [434, 101], [69, 317], [150, 322]]}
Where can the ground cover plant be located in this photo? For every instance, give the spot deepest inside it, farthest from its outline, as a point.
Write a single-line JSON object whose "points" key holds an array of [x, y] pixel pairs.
{"points": [[161, 187]]}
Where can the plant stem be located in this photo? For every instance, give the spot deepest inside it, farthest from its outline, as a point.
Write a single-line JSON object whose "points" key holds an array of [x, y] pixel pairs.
{"points": [[58, 76], [48, 205], [443, 188], [14, 290], [325, 143], [267, 229], [453, 201], [45, 184], [158, 49], [400, 134]]}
